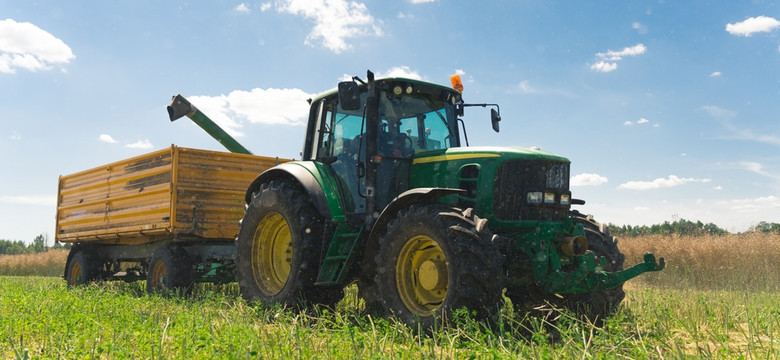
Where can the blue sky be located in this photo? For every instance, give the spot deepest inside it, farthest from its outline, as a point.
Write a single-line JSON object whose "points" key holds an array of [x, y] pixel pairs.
{"points": [[667, 109]]}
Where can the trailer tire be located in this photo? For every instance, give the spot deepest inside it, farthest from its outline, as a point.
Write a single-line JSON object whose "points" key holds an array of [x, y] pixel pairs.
{"points": [[170, 271], [82, 268], [279, 246], [436, 259]]}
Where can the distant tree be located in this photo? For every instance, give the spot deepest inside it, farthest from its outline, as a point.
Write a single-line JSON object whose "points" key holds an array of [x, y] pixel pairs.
{"points": [[39, 244], [767, 227]]}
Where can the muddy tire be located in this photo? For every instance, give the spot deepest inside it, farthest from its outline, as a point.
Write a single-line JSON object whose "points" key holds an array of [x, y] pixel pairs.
{"points": [[434, 260], [279, 246], [598, 305], [82, 268], [170, 271]]}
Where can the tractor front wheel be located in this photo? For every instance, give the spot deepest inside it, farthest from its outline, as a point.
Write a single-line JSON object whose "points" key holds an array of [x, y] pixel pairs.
{"points": [[434, 260]]}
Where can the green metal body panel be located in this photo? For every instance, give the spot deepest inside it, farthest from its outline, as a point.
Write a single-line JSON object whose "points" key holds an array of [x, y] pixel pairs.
{"points": [[327, 182], [440, 168]]}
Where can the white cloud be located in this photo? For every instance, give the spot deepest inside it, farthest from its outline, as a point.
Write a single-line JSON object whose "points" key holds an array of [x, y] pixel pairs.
{"points": [[526, 88], [107, 138], [603, 66], [628, 123], [752, 205], [642, 121], [757, 168], [335, 21], [265, 6], [401, 71], [753, 25], [659, 183], [640, 28], [588, 180], [718, 188], [612, 55], [29, 200], [26, 46], [718, 112], [242, 8], [141, 144], [259, 106], [421, 1], [460, 72], [16, 136], [608, 60], [716, 74]]}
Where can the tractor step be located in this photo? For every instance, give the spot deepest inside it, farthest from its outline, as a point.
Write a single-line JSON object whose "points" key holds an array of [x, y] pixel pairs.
{"points": [[340, 250]]}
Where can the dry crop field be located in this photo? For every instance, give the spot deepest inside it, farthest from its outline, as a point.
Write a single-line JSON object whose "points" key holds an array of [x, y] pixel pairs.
{"points": [[719, 297]]}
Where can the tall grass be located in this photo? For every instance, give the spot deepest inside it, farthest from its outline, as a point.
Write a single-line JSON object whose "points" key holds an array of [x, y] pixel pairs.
{"points": [[747, 262], [48, 263]]}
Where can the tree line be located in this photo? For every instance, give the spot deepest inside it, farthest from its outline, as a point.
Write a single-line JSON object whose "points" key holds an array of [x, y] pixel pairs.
{"points": [[39, 244], [684, 227]]}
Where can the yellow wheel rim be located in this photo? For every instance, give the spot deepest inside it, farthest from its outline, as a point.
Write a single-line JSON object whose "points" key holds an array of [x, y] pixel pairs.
{"points": [[76, 274], [272, 253], [158, 276], [421, 275]]}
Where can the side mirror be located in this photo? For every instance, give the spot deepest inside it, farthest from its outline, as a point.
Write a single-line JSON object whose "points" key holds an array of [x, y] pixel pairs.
{"points": [[349, 95], [494, 119]]}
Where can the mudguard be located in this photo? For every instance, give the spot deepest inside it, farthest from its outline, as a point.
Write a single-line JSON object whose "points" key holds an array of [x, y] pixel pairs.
{"points": [[404, 200], [303, 175]]}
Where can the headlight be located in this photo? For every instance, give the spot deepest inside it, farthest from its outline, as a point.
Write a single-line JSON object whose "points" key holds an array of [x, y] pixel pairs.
{"points": [[549, 198], [534, 197], [565, 199]]}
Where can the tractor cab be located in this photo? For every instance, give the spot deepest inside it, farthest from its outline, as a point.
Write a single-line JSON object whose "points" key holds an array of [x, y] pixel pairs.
{"points": [[370, 148]]}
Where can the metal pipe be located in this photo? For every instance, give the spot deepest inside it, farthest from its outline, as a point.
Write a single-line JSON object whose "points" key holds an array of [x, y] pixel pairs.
{"points": [[179, 107]]}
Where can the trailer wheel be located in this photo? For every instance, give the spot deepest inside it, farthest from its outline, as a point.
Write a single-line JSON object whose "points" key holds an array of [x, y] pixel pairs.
{"points": [[170, 270], [434, 260], [81, 269], [279, 246]]}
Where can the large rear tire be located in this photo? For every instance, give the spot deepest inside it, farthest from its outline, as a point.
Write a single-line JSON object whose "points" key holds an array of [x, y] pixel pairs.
{"points": [[279, 246], [434, 260]]}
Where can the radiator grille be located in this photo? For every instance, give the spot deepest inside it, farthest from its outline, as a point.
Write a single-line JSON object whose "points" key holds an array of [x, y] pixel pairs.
{"points": [[514, 179]]}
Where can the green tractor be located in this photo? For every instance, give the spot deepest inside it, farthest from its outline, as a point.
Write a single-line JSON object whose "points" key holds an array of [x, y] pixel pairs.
{"points": [[387, 196]]}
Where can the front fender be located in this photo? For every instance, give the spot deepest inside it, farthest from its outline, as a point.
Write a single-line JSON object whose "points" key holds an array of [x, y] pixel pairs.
{"points": [[320, 188], [404, 200]]}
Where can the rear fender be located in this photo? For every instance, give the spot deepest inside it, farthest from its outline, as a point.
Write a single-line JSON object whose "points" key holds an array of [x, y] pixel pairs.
{"points": [[301, 172]]}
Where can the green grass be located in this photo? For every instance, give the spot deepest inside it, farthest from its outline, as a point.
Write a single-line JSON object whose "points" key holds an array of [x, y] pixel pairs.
{"points": [[41, 318], [718, 298]]}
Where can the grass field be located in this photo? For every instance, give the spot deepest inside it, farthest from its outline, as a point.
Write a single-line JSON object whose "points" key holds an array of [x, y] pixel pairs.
{"points": [[718, 298]]}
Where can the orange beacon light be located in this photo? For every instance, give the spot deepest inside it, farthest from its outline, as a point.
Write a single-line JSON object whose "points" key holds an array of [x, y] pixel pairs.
{"points": [[456, 83]]}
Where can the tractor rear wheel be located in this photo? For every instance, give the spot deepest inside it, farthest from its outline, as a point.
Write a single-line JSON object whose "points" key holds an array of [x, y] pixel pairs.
{"points": [[170, 269], [279, 246], [434, 260]]}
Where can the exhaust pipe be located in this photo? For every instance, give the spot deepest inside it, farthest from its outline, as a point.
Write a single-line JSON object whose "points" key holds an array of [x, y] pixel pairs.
{"points": [[180, 107]]}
